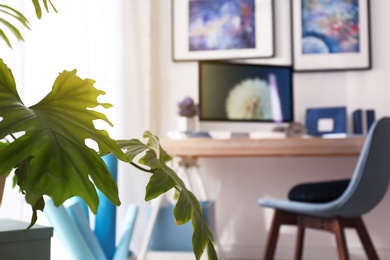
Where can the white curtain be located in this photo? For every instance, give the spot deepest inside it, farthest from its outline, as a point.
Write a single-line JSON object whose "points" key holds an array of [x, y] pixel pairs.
{"points": [[108, 41]]}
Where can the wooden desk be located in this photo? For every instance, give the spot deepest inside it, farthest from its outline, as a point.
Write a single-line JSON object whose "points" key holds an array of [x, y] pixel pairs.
{"points": [[189, 150], [244, 147]]}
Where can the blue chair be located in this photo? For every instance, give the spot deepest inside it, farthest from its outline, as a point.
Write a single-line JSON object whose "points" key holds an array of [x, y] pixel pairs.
{"points": [[367, 187]]}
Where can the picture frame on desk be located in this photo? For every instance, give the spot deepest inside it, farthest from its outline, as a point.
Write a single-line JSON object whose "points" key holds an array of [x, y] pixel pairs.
{"points": [[331, 35], [222, 29], [328, 120]]}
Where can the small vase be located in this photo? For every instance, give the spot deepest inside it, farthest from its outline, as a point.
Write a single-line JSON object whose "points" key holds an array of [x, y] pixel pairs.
{"points": [[186, 124]]}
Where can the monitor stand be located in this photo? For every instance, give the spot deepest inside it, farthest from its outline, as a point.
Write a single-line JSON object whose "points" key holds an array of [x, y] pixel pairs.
{"points": [[251, 135], [266, 135]]}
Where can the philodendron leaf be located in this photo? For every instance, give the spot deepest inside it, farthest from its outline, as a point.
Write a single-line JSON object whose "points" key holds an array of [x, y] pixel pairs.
{"points": [[4, 144], [154, 142], [49, 152], [188, 208], [153, 160]]}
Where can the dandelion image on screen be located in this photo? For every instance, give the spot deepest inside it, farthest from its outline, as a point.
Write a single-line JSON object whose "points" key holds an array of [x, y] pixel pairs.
{"points": [[249, 100]]}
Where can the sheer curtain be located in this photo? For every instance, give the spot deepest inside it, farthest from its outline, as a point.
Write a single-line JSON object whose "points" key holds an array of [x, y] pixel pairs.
{"points": [[108, 41]]}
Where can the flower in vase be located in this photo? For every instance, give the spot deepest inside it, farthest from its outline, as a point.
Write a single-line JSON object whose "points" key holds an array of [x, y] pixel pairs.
{"points": [[187, 107]]}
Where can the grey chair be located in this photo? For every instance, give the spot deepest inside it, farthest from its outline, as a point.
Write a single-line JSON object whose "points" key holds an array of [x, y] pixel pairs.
{"points": [[367, 187]]}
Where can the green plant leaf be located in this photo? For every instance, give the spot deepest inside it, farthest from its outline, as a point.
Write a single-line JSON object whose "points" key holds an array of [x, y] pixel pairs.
{"points": [[38, 8], [12, 12], [3, 144], [150, 159], [158, 184], [7, 14], [163, 178], [202, 235], [13, 29], [153, 141], [185, 207], [132, 147], [5, 38], [212, 254], [188, 208], [49, 152]]}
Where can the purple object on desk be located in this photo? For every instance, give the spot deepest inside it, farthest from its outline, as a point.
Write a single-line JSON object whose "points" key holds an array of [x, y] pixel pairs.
{"points": [[105, 221]]}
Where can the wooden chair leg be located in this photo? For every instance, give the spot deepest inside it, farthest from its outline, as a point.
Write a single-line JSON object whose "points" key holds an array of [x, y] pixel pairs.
{"points": [[338, 230], [335, 225], [273, 234], [299, 245], [365, 239]]}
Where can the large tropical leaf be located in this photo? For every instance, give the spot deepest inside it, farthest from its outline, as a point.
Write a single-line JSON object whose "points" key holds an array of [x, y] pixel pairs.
{"points": [[163, 178], [4, 144], [49, 151]]}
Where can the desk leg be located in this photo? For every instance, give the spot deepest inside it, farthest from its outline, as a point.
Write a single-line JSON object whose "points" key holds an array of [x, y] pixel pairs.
{"points": [[191, 169], [189, 166], [186, 165], [200, 183]]}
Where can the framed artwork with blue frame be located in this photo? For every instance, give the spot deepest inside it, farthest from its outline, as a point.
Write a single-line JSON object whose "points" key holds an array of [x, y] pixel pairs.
{"points": [[331, 35], [222, 29]]}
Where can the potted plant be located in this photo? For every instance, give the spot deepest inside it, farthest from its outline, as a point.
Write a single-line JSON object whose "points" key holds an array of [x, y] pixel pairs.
{"points": [[45, 145], [187, 110]]}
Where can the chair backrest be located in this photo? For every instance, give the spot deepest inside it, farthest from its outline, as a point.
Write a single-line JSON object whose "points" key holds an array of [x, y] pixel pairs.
{"points": [[371, 177]]}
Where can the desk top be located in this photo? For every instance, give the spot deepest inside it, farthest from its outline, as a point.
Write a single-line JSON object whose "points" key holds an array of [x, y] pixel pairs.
{"points": [[245, 147]]}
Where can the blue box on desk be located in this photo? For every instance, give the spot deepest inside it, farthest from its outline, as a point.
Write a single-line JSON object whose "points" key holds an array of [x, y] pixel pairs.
{"points": [[336, 115], [168, 236]]}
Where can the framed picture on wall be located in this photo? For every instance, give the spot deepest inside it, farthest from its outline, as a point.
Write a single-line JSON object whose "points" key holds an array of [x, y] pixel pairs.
{"points": [[331, 35], [222, 29]]}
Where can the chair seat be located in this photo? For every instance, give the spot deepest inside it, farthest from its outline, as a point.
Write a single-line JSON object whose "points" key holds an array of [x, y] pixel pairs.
{"points": [[317, 192], [311, 199], [326, 209]]}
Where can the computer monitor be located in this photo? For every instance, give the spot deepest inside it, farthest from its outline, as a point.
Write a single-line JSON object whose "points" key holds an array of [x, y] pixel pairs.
{"points": [[243, 97]]}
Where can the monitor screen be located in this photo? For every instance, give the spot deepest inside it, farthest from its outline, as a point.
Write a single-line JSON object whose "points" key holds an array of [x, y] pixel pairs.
{"points": [[246, 93]]}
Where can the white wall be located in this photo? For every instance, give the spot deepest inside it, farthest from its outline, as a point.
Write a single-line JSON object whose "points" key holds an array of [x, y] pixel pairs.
{"points": [[236, 184], [110, 44]]}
